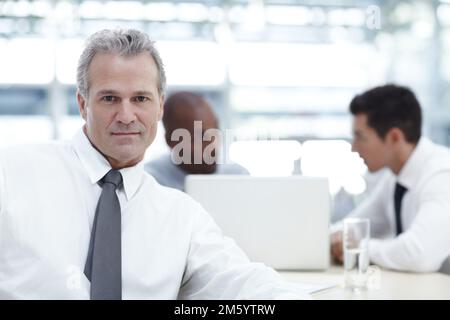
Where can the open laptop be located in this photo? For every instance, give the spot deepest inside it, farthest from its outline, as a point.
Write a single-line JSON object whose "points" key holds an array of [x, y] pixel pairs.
{"points": [[282, 222]]}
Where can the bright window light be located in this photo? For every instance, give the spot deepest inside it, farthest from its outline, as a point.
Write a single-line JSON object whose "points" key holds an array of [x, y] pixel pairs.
{"points": [[22, 8], [91, 9], [192, 12], [422, 29], [307, 65], [193, 63], [6, 25], [254, 16], [347, 17], [445, 69], [201, 63], [288, 15], [403, 13], [41, 8], [237, 14], [443, 13], [291, 99], [63, 11], [68, 53], [26, 61], [25, 129], [216, 14], [266, 158], [292, 126], [354, 184], [130, 10], [160, 11], [335, 160]]}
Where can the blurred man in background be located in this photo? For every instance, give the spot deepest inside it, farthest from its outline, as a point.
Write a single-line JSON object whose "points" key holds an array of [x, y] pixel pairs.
{"points": [[409, 210], [181, 111]]}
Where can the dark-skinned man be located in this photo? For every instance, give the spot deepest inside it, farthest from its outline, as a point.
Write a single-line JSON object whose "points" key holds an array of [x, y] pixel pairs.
{"points": [[187, 114]]}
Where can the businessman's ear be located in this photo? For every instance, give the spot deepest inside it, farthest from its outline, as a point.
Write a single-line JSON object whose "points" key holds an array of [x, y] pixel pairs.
{"points": [[395, 135], [81, 104]]}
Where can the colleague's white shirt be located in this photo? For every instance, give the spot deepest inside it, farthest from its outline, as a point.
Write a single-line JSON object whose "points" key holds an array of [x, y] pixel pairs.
{"points": [[425, 242], [171, 248]]}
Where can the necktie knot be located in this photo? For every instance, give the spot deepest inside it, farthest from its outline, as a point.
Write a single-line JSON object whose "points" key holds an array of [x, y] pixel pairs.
{"points": [[114, 177], [399, 190]]}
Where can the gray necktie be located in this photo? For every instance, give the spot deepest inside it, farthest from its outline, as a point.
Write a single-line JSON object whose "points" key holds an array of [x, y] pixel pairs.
{"points": [[104, 261]]}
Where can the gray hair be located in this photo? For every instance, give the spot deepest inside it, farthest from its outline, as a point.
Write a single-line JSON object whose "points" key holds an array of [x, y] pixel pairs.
{"points": [[125, 42]]}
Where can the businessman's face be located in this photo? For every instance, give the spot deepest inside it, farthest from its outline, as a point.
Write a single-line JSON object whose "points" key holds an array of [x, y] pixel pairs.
{"points": [[123, 106], [374, 151]]}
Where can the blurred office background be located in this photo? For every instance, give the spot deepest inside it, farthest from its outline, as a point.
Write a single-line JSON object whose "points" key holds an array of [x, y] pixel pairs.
{"points": [[282, 69]]}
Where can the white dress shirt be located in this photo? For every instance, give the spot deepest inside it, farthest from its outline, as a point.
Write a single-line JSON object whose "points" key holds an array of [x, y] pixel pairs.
{"points": [[171, 248], [425, 242]]}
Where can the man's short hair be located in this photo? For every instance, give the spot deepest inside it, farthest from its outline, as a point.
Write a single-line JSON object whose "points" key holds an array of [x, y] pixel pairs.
{"points": [[124, 42], [390, 106]]}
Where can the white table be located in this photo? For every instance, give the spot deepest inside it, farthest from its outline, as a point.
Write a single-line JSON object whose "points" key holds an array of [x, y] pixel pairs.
{"points": [[391, 285]]}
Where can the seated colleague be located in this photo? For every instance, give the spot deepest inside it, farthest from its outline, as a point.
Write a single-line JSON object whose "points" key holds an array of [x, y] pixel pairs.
{"points": [[181, 109], [77, 222], [409, 209]]}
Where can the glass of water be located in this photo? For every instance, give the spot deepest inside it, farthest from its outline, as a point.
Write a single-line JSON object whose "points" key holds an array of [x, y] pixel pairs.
{"points": [[356, 253]]}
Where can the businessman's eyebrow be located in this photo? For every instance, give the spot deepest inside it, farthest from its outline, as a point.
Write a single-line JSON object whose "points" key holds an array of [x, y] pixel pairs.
{"points": [[107, 92], [115, 92], [143, 93]]}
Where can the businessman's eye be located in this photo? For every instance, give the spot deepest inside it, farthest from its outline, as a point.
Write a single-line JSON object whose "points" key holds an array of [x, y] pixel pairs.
{"points": [[142, 99], [109, 98]]}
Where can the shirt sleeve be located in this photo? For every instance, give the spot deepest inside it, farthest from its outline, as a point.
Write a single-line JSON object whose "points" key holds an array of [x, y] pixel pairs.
{"points": [[426, 244], [218, 269]]}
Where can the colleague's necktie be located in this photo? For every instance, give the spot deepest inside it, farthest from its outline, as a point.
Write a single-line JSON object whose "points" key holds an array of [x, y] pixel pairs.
{"points": [[104, 261], [398, 196]]}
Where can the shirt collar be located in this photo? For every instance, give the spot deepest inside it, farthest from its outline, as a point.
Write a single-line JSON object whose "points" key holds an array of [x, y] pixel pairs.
{"points": [[411, 171], [97, 166]]}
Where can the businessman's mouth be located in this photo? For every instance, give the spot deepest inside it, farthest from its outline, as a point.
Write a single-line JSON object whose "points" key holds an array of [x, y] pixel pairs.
{"points": [[123, 134]]}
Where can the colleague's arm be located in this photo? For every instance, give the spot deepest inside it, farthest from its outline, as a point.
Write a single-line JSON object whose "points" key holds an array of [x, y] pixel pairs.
{"points": [[373, 208], [426, 244], [218, 269]]}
